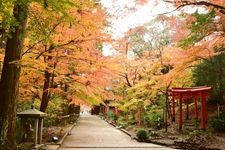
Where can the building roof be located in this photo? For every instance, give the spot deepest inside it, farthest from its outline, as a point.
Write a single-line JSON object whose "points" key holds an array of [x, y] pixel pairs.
{"points": [[31, 113]]}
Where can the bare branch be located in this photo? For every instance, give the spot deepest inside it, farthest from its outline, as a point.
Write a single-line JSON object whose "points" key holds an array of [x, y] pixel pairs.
{"points": [[30, 48], [125, 75], [188, 3]]}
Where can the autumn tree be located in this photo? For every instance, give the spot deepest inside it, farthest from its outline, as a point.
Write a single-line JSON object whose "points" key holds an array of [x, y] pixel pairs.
{"points": [[15, 30], [72, 44], [140, 49], [10, 76], [206, 35]]}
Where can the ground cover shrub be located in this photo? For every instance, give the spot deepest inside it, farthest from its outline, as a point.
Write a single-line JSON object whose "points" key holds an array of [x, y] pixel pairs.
{"points": [[218, 122], [154, 120], [142, 135], [121, 120], [116, 117], [132, 122]]}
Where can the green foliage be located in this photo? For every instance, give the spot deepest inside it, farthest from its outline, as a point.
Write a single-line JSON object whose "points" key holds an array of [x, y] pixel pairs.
{"points": [[141, 94], [199, 28], [132, 122], [56, 107], [40, 22], [218, 123], [116, 117], [154, 120], [43, 21], [24, 105], [121, 120], [213, 71], [142, 135], [154, 114], [89, 98], [6, 16], [60, 6], [202, 20]]}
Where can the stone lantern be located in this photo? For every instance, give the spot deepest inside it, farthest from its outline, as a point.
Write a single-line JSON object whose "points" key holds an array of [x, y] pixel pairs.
{"points": [[36, 118]]}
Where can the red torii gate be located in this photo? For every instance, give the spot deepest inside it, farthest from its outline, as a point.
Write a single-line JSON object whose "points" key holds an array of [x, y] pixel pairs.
{"points": [[195, 93]]}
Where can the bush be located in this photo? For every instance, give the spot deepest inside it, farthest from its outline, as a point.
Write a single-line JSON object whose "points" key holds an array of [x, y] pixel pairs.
{"points": [[116, 117], [154, 120], [122, 121], [132, 122], [23, 105], [218, 123], [142, 135]]}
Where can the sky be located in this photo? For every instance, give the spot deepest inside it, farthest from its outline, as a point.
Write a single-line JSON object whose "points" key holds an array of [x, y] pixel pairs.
{"points": [[124, 18], [122, 22]]}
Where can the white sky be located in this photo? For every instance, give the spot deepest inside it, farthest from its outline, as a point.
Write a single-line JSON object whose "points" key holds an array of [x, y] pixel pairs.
{"points": [[142, 15], [122, 22]]}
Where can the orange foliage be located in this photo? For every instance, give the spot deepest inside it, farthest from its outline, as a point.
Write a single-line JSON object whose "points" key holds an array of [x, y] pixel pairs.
{"points": [[71, 56]]}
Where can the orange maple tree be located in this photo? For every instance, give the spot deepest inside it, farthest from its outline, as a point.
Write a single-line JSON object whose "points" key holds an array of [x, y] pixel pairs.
{"points": [[69, 55]]}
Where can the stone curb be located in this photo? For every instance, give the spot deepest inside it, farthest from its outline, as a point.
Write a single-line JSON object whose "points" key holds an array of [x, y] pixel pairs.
{"points": [[121, 129], [65, 135], [125, 131], [129, 134], [58, 144]]}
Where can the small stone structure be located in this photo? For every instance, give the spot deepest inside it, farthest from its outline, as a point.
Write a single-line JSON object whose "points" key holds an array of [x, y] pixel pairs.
{"points": [[36, 117]]}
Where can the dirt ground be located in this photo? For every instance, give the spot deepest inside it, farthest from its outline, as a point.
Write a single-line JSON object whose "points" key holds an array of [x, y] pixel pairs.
{"points": [[187, 138], [54, 131]]}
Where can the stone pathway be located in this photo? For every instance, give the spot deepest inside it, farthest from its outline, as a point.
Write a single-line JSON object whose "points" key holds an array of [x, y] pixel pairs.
{"points": [[92, 133]]}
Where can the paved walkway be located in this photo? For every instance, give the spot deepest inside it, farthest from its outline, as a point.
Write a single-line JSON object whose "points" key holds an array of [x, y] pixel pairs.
{"points": [[92, 133]]}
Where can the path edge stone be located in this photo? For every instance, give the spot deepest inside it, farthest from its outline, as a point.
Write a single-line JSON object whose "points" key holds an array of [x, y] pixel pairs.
{"points": [[134, 136], [58, 144]]}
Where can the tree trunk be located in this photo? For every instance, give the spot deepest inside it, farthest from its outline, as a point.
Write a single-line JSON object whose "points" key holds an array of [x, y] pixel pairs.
{"points": [[10, 78], [47, 82], [45, 95], [139, 116]]}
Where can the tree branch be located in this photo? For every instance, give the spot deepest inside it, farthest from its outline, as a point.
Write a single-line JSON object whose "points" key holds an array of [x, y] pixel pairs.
{"points": [[74, 41], [124, 75], [200, 3], [30, 48]]}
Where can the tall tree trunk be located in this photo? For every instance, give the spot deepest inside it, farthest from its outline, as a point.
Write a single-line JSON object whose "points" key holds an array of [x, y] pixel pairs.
{"points": [[10, 78]]}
